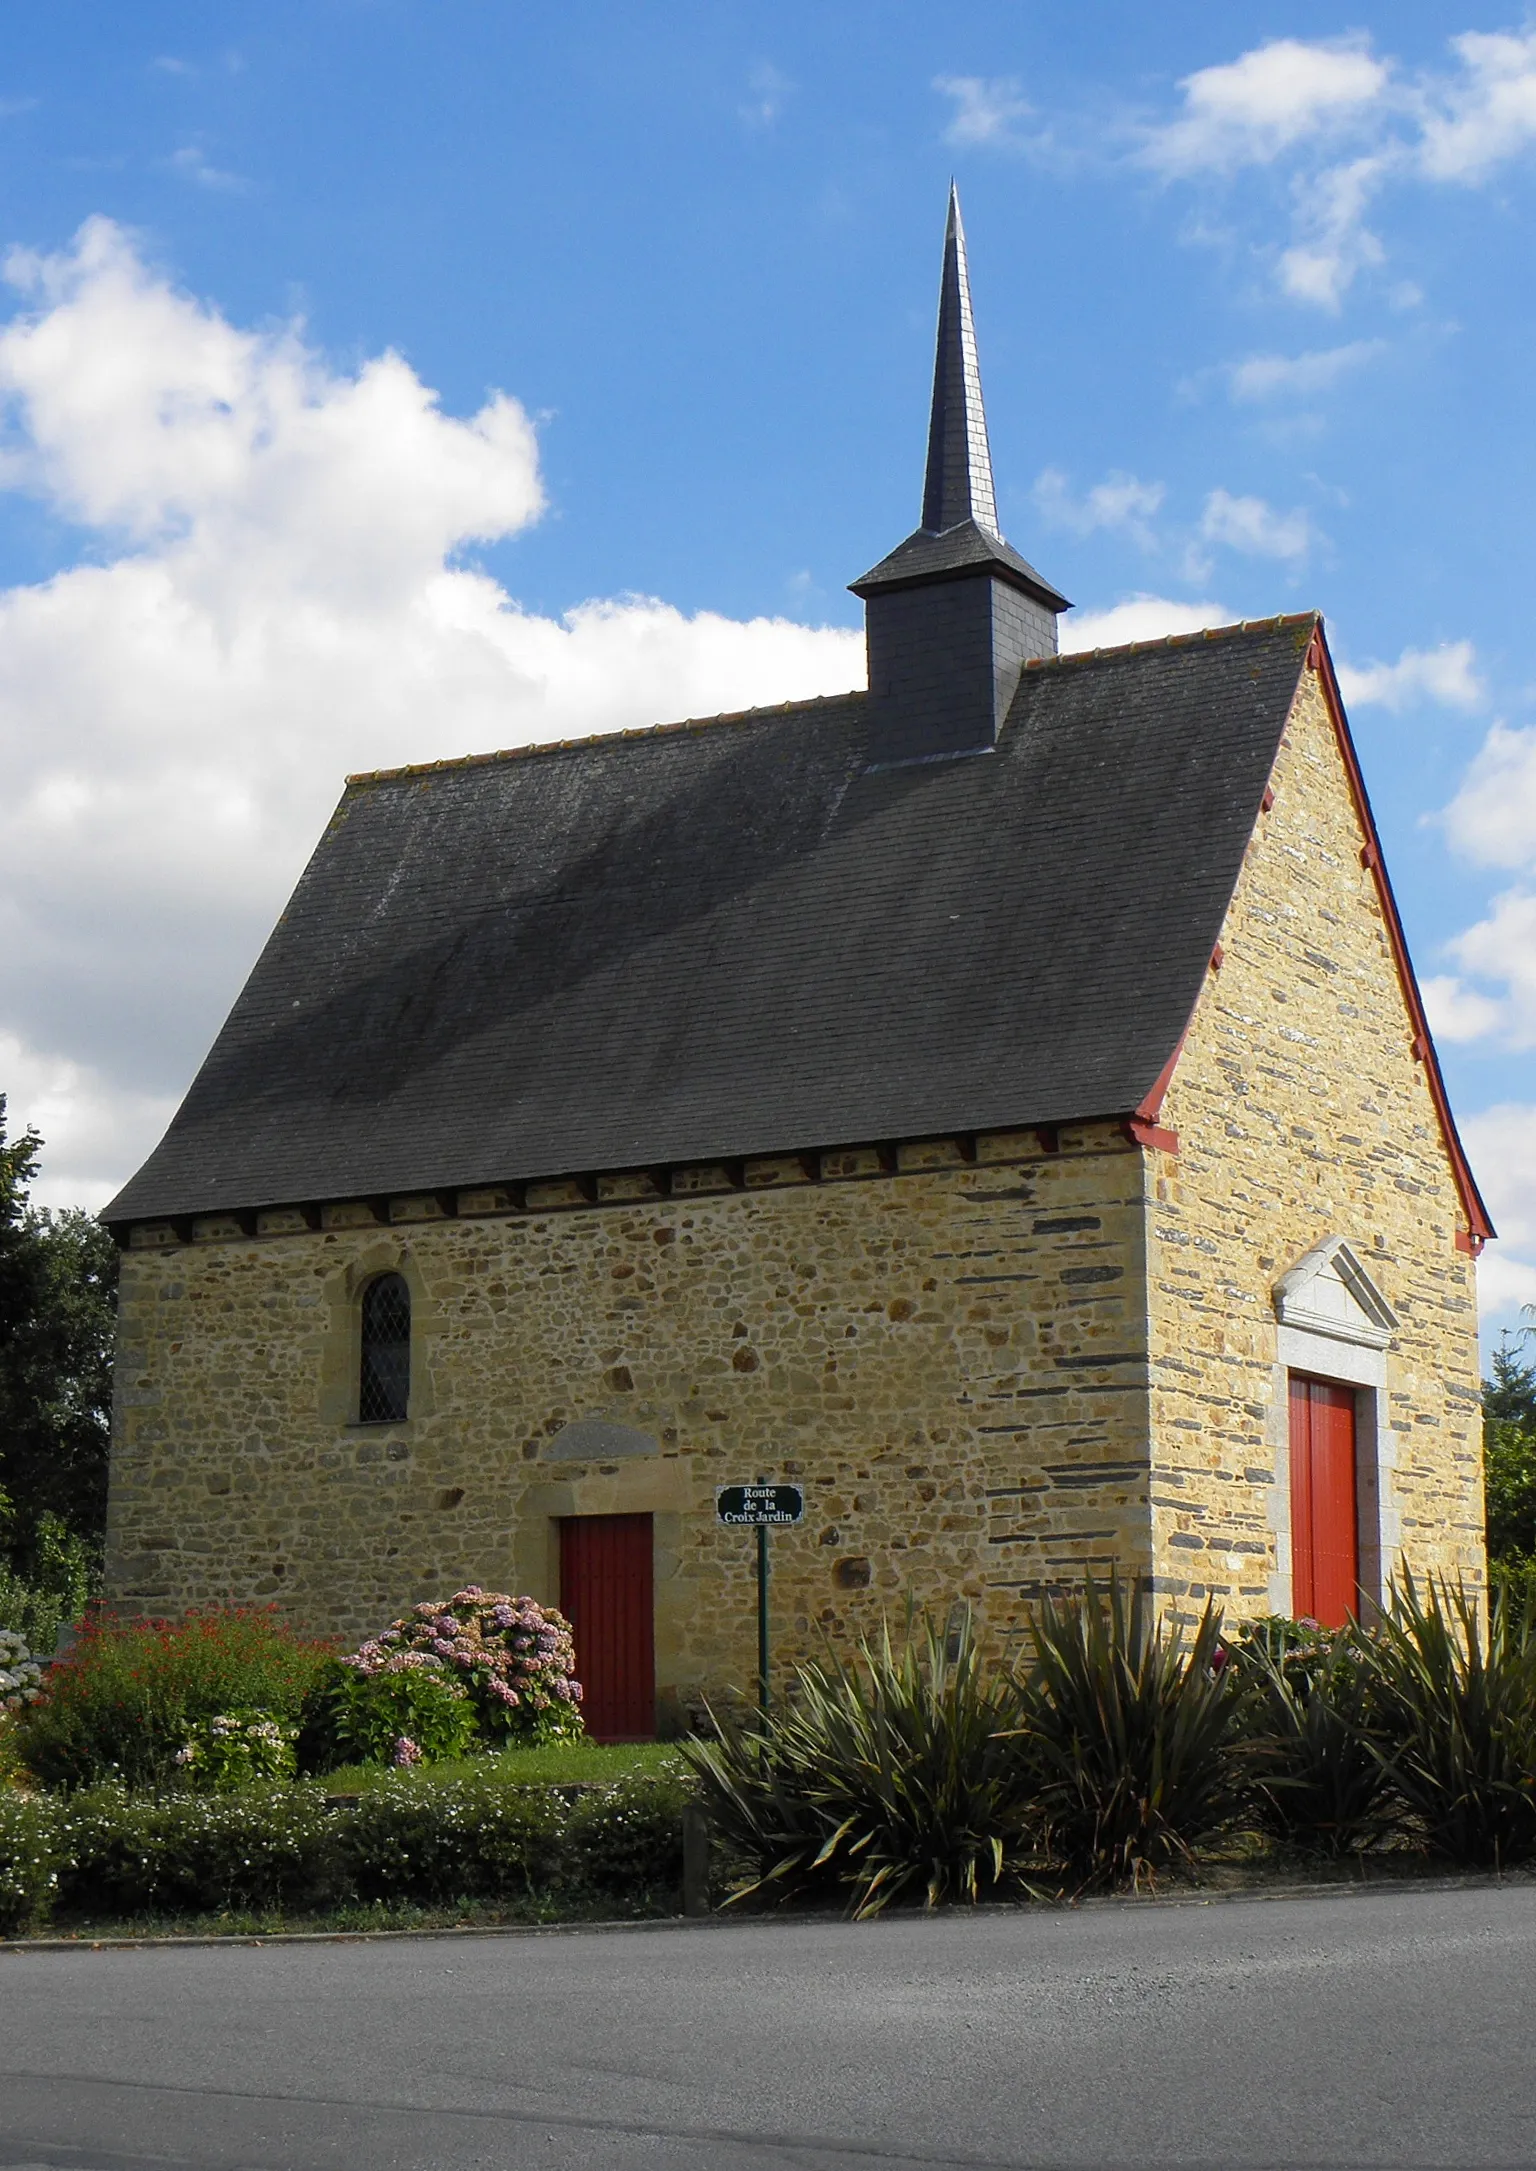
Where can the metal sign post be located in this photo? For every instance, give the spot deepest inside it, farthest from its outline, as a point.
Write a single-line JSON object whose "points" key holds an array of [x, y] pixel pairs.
{"points": [[762, 1620], [760, 1505]]}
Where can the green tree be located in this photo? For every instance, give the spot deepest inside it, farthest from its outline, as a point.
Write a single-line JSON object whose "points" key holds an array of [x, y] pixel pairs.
{"points": [[1509, 1454], [58, 1296]]}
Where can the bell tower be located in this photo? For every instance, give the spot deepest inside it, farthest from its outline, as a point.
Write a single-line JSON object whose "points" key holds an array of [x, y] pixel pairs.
{"points": [[954, 613]]}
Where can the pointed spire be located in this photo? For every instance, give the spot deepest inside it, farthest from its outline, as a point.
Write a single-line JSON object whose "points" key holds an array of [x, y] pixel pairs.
{"points": [[958, 485], [953, 614], [959, 534]]}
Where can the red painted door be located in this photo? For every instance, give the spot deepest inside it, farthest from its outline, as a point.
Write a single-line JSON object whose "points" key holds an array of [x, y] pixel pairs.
{"points": [[1325, 1558], [606, 1595]]}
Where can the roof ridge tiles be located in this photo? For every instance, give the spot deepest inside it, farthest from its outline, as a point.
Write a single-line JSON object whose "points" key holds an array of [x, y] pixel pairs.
{"points": [[601, 738], [810, 701], [1177, 640]]}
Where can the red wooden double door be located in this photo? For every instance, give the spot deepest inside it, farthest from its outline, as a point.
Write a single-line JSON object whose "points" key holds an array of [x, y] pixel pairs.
{"points": [[607, 1595], [1325, 1542]]}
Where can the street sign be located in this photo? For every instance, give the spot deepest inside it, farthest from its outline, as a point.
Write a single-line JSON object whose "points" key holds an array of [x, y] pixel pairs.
{"points": [[747, 1504], [757, 1507]]}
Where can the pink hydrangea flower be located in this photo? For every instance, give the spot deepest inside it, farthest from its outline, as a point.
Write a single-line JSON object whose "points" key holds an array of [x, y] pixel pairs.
{"points": [[511, 1653]]}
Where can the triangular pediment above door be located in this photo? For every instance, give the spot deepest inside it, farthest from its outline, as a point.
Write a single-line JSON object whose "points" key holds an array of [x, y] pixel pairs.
{"points": [[1329, 1292]]}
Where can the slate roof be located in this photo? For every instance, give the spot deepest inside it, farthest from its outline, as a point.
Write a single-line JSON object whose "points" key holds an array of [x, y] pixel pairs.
{"points": [[723, 939]]}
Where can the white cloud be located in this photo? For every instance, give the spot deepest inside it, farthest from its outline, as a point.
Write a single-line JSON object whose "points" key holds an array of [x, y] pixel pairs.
{"points": [[1492, 819], [1339, 124], [767, 89], [83, 1119], [192, 163], [1123, 504], [1248, 111], [1501, 1143], [173, 64], [1120, 502], [1458, 1013], [1253, 527], [237, 456], [1286, 376], [986, 108], [1506, 1288], [275, 600], [1487, 116], [1447, 675], [1334, 244], [1327, 126], [1502, 948], [1139, 618]]}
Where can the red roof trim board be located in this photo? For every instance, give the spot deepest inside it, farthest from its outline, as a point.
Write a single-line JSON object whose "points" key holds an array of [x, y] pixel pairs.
{"points": [[1142, 1125], [1151, 1135], [1147, 1111]]}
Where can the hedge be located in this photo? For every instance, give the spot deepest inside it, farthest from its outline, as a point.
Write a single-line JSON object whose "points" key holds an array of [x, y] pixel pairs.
{"points": [[29, 1861], [105, 1852]]}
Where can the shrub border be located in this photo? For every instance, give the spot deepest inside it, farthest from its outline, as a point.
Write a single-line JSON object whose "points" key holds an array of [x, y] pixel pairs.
{"points": [[724, 1918]]}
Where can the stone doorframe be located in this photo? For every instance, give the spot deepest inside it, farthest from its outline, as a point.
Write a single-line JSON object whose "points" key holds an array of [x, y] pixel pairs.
{"points": [[1333, 1323], [641, 1482]]}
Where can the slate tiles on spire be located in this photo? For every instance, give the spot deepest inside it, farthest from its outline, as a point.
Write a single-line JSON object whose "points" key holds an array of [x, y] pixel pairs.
{"points": [[959, 532], [958, 484]]}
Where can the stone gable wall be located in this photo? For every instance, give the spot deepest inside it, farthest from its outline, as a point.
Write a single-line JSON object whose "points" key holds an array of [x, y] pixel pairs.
{"points": [[1301, 1114], [951, 1360]]}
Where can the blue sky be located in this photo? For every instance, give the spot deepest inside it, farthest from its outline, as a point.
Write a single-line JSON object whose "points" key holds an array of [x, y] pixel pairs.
{"points": [[1254, 294]]}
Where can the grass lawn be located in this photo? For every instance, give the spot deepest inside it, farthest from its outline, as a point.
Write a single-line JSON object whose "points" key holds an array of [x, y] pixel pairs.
{"points": [[555, 1763]]}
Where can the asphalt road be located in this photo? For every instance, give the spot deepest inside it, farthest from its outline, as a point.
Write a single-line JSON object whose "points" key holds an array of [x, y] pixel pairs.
{"points": [[1372, 2028]]}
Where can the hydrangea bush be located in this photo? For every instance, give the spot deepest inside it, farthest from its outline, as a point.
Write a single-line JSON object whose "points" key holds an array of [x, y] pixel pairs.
{"points": [[406, 1715], [513, 1658], [237, 1749], [21, 1675]]}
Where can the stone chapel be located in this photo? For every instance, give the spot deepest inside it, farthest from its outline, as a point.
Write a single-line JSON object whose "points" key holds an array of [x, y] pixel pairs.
{"points": [[998, 1102]]}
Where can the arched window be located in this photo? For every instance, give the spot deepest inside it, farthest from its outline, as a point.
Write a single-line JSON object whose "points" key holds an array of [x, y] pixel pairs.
{"points": [[384, 1378]]}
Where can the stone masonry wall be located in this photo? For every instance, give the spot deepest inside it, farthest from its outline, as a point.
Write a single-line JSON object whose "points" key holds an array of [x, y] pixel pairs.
{"points": [[951, 1359], [1302, 1113]]}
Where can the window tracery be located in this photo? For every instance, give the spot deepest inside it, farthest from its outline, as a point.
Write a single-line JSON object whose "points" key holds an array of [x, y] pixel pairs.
{"points": [[384, 1370]]}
